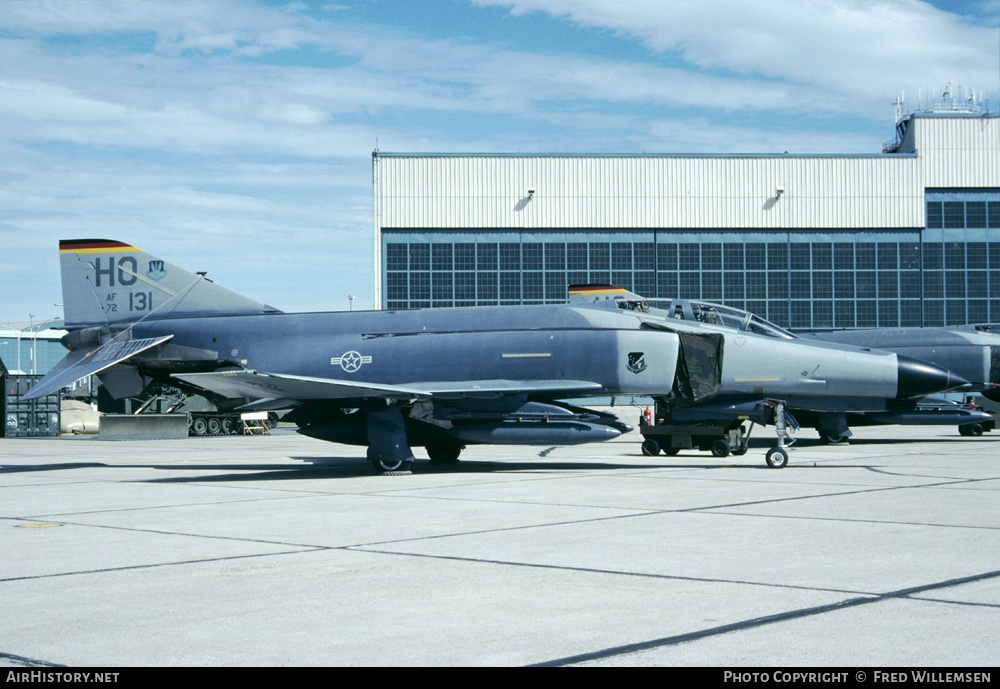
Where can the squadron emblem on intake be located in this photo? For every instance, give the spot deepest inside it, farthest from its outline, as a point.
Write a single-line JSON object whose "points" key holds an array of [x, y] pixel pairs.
{"points": [[636, 362]]}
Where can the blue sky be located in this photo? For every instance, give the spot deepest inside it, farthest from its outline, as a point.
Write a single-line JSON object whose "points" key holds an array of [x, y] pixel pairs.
{"points": [[235, 137]]}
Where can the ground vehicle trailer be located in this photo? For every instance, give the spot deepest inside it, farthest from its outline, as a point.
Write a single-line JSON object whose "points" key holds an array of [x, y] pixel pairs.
{"points": [[707, 437], [720, 428]]}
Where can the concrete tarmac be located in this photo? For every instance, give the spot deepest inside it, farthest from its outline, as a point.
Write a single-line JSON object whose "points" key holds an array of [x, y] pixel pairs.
{"points": [[286, 551]]}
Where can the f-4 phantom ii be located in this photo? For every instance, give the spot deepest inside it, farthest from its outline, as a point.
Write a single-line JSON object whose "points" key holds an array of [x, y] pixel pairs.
{"points": [[438, 378], [971, 351]]}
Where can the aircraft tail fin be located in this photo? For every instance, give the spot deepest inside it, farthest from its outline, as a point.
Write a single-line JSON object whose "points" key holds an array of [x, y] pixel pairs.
{"points": [[597, 293], [106, 281]]}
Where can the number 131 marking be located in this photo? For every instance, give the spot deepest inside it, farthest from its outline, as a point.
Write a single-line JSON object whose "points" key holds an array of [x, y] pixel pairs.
{"points": [[140, 301]]}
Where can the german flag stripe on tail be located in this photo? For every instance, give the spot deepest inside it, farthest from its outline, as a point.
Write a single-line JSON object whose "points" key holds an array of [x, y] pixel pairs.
{"points": [[591, 290], [93, 246]]}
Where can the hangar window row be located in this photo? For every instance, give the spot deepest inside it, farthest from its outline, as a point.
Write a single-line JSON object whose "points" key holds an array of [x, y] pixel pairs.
{"points": [[945, 274], [798, 281], [971, 214]]}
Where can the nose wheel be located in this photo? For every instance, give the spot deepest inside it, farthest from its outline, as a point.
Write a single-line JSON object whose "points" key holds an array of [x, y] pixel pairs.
{"points": [[777, 457]]}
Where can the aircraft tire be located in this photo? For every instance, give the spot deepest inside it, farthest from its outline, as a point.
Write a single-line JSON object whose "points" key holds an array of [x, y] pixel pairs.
{"points": [[720, 448], [776, 458], [403, 470], [444, 453], [399, 467], [650, 447], [971, 429], [833, 439]]}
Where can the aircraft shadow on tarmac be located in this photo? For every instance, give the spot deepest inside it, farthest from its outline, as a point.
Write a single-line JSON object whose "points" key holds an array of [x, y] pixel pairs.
{"points": [[352, 467], [356, 467], [56, 466], [816, 442]]}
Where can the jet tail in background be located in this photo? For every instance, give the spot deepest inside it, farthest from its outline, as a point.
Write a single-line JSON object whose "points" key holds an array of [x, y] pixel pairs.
{"points": [[106, 281], [597, 293]]}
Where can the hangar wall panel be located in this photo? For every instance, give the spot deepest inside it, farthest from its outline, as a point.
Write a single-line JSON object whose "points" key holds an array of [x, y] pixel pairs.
{"points": [[647, 191], [959, 152]]}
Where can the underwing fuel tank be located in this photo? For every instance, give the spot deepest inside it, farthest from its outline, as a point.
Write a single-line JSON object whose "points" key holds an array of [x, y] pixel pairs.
{"points": [[533, 433], [530, 423], [925, 417], [354, 432]]}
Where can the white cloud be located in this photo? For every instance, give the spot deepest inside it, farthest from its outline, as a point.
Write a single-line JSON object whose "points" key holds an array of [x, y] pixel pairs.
{"points": [[178, 101], [849, 48]]}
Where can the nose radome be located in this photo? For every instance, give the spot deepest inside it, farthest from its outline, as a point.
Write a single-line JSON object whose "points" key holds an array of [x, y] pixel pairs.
{"points": [[916, 378]]}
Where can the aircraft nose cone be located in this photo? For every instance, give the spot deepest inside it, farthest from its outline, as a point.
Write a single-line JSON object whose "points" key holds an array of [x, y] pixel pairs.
{"points": [[916, 378]]}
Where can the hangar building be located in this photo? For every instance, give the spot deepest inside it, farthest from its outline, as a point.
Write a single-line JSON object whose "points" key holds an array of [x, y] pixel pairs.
{"points": [[31, 348], [906, 237]]}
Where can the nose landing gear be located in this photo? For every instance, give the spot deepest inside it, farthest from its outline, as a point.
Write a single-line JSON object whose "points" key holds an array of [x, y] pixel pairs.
{"points": [[777, 457]]}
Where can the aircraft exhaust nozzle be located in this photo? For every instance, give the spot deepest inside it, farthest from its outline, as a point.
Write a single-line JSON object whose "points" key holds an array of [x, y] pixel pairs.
{"points": [[916, 378]]}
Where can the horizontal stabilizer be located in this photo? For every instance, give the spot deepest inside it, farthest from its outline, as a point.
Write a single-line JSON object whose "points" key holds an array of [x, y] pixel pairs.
{"points": [[81, 363]]}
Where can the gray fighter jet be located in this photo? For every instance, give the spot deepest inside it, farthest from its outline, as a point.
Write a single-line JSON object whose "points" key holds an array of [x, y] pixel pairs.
{"points": [[971, 351], [440, 378]]}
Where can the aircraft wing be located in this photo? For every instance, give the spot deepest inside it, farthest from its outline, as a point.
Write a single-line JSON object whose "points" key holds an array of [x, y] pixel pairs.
{"points": [[492, 388], [81, 363], [255, 385]]}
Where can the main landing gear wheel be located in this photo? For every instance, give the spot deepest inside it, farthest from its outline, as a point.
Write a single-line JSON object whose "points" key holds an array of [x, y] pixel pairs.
{"points": [[973, 429], [444, 453], [389, 467], [776, 458], [650, 447]]}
